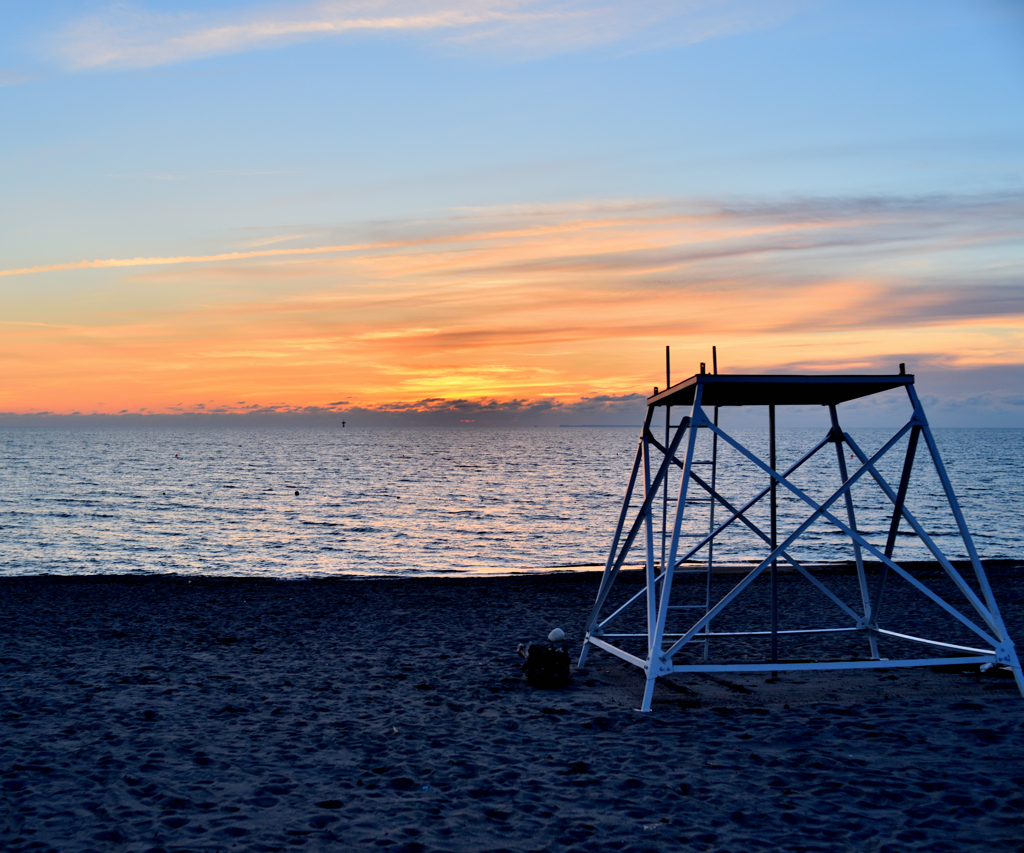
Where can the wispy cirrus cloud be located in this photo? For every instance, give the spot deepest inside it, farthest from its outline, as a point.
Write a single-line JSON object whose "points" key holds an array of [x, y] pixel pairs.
{"points": [[111, 263], [12, 77], [132, 36], [637, 237]]}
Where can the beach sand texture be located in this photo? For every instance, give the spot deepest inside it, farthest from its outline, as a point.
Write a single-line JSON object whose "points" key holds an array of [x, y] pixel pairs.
{"points": [[168, 714]]}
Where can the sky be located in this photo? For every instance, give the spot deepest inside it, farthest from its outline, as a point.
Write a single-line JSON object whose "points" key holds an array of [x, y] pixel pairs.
{"points": [[502, 211]]}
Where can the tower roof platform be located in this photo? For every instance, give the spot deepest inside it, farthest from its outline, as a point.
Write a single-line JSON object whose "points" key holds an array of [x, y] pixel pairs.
{"points": [[724, 389]]}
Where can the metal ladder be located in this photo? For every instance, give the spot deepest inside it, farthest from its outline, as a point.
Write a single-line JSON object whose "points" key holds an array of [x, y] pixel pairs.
{"points": [[707, 569], [713, 463]]}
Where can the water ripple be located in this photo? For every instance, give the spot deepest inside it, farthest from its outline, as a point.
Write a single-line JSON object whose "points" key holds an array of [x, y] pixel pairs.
{"points": [[222, 501]]}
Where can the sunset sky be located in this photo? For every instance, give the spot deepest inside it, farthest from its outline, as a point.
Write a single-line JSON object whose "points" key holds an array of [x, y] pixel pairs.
{"points": [[501, 210]]}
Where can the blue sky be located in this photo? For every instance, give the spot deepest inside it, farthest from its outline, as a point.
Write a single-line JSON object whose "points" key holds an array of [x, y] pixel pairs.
{"points": [[178, 132]]}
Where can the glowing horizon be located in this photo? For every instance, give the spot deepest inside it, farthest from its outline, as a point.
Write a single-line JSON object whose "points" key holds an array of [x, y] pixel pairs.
{"points": [[542, 304]]}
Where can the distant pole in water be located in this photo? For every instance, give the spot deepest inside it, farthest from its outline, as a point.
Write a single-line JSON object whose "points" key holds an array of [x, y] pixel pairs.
{"points": [[342, 424]]}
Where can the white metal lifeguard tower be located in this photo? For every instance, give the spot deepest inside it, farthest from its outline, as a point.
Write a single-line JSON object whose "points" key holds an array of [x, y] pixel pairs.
{"points": [[665, 626]]}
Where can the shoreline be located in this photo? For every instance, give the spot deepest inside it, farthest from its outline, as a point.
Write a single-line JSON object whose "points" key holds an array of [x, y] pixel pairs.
{"points": [[168, 713], [926, 567]]}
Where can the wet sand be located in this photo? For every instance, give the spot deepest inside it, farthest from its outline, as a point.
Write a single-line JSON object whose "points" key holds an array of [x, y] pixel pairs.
{"points": [[168, 714]]}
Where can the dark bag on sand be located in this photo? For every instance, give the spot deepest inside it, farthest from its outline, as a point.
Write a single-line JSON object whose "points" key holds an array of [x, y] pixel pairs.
{"points": [[546, 666]]}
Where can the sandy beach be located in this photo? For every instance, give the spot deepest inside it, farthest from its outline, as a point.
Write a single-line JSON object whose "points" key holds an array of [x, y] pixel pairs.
{"points": [[170, 714]]}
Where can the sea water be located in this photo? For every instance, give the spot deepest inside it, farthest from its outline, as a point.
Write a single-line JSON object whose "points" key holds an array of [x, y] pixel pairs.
{"points": [[307, 502]]}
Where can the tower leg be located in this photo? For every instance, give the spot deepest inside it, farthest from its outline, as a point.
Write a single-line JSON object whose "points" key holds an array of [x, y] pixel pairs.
{"points": [[862, 580], [645, 706], [1018, 676]]}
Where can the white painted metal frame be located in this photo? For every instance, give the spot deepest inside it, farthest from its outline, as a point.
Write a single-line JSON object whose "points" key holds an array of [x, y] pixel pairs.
{"points": [[993, 646]]}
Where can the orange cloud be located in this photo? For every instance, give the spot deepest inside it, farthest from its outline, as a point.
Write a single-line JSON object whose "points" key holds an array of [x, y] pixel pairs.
{"points": [[554, 303]]}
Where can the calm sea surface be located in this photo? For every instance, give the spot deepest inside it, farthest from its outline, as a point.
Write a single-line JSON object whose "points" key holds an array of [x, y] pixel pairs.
{"points": [[222, 501]]}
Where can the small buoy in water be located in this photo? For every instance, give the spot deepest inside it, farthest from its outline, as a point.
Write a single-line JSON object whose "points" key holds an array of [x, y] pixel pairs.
{"points": [[556, 636], [296, 491]]}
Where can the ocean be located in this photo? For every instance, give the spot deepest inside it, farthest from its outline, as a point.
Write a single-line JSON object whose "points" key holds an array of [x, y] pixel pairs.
{"points": [[307, 502]]}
